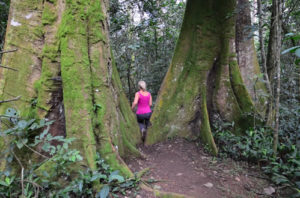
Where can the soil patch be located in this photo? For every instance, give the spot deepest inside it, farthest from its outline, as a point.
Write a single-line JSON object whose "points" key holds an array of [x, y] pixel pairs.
{"points": [[183, 167]]}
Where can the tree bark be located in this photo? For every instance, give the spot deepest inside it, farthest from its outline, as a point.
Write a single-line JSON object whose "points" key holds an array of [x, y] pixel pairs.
{"points": [[247, 57], [269, 109], [275, 48], [64, 62], [204, 79]]}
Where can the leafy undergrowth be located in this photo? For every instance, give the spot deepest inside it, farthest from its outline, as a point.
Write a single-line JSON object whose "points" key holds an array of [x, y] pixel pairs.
{"points": [[256, 147], [22, 138]]}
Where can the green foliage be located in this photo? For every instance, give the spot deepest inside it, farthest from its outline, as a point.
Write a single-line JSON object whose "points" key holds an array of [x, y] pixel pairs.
{"points": [[48, 16], [58, 174], [143, 37], [256, 147], [253, 146], [295, 49]]}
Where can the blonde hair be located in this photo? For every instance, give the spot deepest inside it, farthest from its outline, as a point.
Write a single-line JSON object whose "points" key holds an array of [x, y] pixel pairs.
{"points": [[142, 85]]}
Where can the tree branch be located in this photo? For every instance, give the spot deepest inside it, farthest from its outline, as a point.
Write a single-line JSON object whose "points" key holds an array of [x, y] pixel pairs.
{"points": [[8, 51], [14, 99], [8, 68]]}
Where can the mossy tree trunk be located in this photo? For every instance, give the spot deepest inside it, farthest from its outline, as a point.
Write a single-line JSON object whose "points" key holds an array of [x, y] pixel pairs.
{"points": [[204, 80], [66, 72]]}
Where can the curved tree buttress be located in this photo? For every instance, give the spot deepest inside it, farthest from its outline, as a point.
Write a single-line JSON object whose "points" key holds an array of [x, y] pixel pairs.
{"points": [[204, 78], [65, 66]]}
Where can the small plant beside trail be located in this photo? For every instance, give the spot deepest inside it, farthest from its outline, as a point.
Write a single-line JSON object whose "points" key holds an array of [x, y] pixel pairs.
{"points": [[30, 179], [256, 147]]}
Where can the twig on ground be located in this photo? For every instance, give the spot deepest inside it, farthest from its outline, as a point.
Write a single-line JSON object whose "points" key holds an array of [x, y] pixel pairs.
{"points": [[22, 172], [258, 176], [8, 51], [36, 151], [33, 183], [2, 66], [14, 99]]}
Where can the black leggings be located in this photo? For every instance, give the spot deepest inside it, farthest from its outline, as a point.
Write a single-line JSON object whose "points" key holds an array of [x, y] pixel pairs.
{"points": [[143, 120]]}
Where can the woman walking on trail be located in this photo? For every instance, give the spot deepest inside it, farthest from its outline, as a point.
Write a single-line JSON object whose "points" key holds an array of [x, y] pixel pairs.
{"points": [[143, 100]]}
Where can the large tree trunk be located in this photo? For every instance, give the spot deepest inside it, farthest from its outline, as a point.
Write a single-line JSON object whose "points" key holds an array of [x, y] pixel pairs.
{"points": [[204, 80], [65, 65], [247, 57]]}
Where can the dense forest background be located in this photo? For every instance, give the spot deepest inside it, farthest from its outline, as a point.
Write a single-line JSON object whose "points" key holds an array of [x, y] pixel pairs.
{"points": [[143, 36]]}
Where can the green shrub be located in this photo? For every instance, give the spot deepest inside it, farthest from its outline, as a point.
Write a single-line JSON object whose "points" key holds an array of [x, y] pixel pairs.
{"points": [[256, 147], [30, 179]]}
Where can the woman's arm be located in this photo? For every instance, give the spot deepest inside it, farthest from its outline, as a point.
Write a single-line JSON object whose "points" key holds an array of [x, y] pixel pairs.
{"points": [[136, 99], [150, 101]]}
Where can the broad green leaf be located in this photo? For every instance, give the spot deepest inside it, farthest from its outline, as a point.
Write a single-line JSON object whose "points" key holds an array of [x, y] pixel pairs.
{"points": [[79, 158], [115, 173], [290, 49], [33, 126], [3, 183], [19, 144], [98, 176], [289, 34], [22, 124], [80, 185], [73, 158], [7, 180], [297, 52], [11, 112], [104, 192], [45, 173], [119, 178]]}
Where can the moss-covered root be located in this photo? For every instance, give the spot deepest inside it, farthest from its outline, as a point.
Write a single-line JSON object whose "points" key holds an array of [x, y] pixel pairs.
{"points": [[241, 93], [162, 194], [205, 130]]}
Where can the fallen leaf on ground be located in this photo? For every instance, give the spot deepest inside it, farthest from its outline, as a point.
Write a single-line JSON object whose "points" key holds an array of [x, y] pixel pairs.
{"points": [[269, 191], [208, 185], [157, 187]]}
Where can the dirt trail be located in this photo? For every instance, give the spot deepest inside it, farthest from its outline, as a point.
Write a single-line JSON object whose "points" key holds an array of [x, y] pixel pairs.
{"points": [[183, 167]]}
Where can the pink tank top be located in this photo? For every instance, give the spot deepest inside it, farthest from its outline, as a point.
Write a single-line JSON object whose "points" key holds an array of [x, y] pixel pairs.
{"points": [[143, 104]]}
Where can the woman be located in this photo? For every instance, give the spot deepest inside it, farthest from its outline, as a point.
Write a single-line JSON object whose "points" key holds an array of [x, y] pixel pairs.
{"points": [[143, 101]]}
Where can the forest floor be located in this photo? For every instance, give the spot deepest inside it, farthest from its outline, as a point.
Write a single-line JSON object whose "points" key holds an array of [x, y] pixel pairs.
{"points": [[180, 166]]}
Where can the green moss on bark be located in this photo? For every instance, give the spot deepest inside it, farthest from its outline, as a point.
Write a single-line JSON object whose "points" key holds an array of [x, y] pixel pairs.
{"points": [[49, 15], [241, 92]]}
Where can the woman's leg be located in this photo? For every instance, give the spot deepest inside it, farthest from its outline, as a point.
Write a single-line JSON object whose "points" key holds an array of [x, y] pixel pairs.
{"points": [[147, 117], [141, 121]]}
